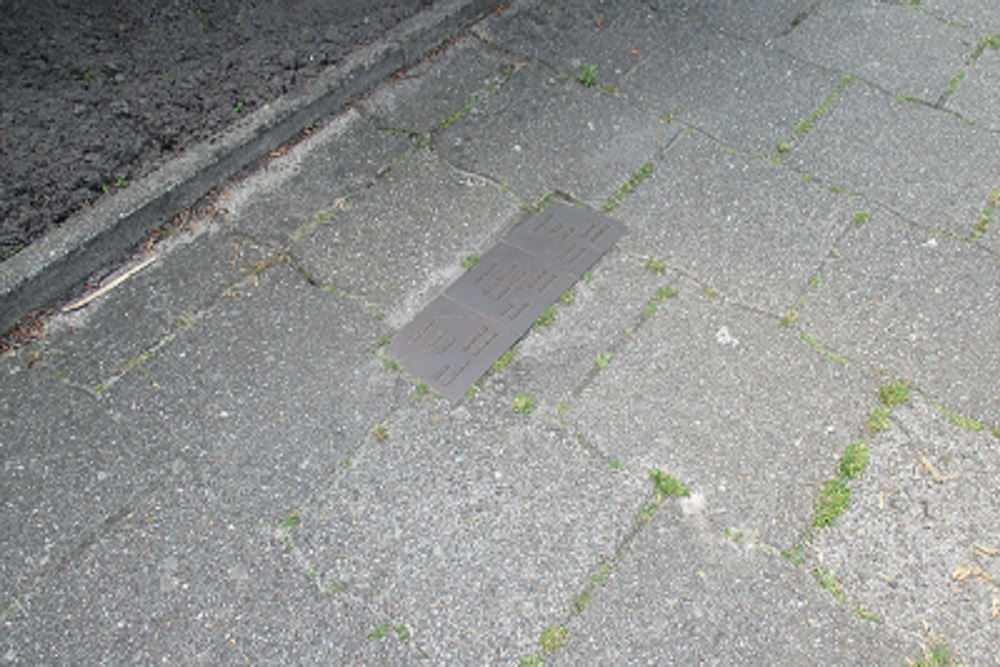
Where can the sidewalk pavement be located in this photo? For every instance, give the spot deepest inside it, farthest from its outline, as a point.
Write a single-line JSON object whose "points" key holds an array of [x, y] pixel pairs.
{"points": [[763, 429]]}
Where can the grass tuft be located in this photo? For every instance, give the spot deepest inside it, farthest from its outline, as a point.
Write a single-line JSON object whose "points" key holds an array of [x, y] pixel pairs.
{"points": [[938, 655], [667, 485], [547, 317], [834, 497], [588, 76], [654, 265], [523, 403], [894, 394], [553, 638], [855, 460]]}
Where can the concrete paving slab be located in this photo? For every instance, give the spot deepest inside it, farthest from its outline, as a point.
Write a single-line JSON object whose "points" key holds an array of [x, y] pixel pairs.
{"points": [[914, 305], [683, 594], [744, 95], [927, 165], [732, 404], [893, 46], [471, 526], [751, 230], [566, 36], [982, 15], [92, 345], [426, 96], [293, 189], [919, 545], [178, 581], [974, 98], [315, 506], [756, 22], [542, 134], [398, 246], [272, 388], [63, 475]]}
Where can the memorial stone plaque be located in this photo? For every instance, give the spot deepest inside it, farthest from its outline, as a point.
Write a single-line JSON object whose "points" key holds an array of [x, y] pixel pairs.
{"points": [[461, 334]]}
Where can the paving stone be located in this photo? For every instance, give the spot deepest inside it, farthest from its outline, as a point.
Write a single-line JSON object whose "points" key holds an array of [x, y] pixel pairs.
{"points": [[63, 476], [177, 581], [747, 228], [974, 98], [716, 395], [925, 508], [684, 594], [271, 390], [925, 164], [758, 21], [915, 305], [472, 526], [259, 488], [429, 94], [613, 37], [744, 95], [293, 189], [895, 47], [92, 345], [542, 134], [398, 246], [982, 15]]}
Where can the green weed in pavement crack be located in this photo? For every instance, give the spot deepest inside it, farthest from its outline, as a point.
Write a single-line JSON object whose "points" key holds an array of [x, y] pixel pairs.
{"points": [[962, 421], [488, 89], [547, 317], [880, 419], [834, 497], [641, 174], [504, 359], [654, 265], [804, 126], [667, 485], [597, 581], [955, 83], [895, 393], [588, 76], [938, 655], [553, 638], [402, 632], [822, 349], [855, 460], [523, 403], [828, 580], [422, 390], [380, 433]]}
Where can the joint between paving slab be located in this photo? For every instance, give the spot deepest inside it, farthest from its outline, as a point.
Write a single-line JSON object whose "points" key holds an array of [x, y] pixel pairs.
{"points": [[834, 494], [554, 636], [88, 540]]}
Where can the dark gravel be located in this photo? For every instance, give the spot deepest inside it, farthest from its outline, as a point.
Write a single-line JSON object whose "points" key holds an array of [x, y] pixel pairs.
{"points": [[96, 94]]}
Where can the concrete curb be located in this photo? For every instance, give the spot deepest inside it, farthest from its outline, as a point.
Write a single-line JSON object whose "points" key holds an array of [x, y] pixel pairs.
{"points": [[46, 271]]}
